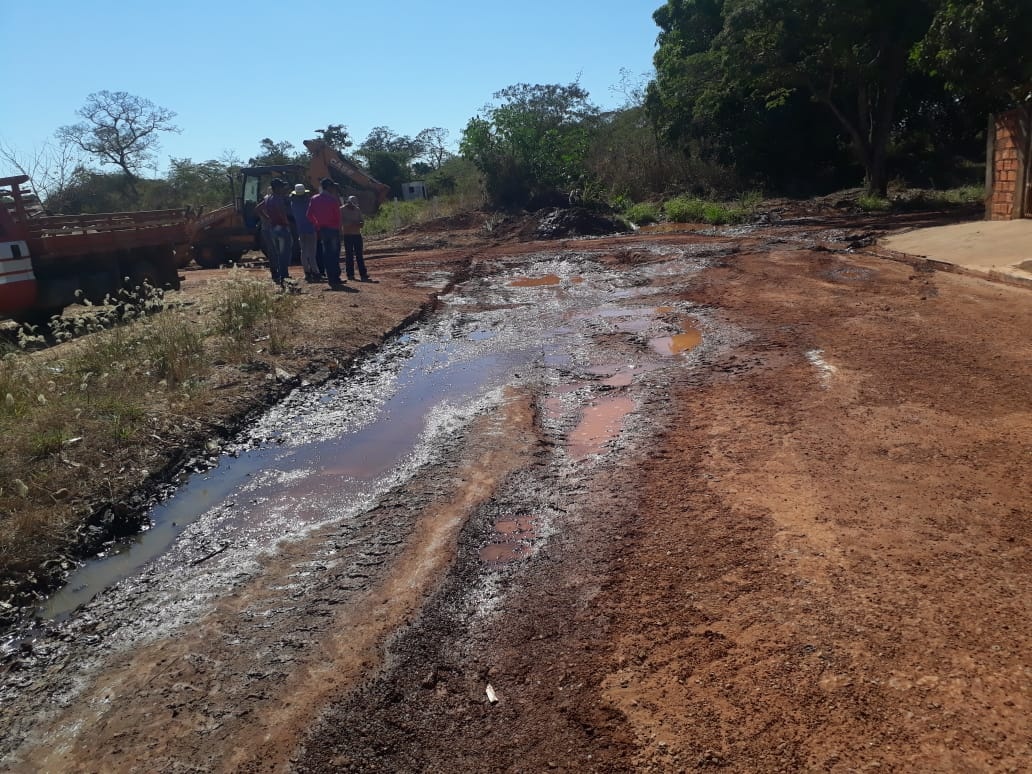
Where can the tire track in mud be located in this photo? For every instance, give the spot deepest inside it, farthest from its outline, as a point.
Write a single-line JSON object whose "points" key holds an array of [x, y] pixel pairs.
{"points": [[239, 689], [242, 686]]}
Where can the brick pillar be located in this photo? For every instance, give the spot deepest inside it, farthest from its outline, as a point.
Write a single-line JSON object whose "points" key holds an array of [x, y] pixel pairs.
{"points": [[1009, 164]]}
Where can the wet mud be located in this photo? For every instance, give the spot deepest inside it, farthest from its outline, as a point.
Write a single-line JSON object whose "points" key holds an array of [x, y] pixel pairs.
{"points": [[659, 492]]}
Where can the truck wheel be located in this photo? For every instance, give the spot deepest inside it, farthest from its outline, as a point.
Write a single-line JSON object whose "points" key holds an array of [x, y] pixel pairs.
{"points": [[209, 256], [183, 256]]}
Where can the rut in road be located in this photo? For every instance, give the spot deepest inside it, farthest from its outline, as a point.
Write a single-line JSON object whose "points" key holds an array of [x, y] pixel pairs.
{"points": [[326, 528]]}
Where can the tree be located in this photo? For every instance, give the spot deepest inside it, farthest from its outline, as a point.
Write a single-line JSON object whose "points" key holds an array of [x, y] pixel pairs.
{"points": [[389, 168], [432, 144], [49, 167], [532, 143], [336, 136], [852, 57], [389, 156], [274, 154], [981, 48], [205, 184], [383, 139], [120, 129]]}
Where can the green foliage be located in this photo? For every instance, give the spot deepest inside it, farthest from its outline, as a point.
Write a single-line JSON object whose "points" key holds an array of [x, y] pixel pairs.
{"points": [[394, 216], [981, 48], [689, 210], [643, 213], [533, 142], [740, 69], [684, 210], [336, 136], [276, 154], [205, 184], [873, 203], [389, 168]]}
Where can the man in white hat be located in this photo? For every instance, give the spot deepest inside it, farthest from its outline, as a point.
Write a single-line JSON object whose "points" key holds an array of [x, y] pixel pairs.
{"points": [[351, 222], [306, 235]]}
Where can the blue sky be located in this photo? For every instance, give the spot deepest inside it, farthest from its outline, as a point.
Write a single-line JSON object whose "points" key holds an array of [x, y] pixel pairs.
{"points": [[237, 72]]}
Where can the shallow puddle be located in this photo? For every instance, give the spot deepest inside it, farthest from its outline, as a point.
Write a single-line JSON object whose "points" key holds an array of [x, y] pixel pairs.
{"points": [[534, 282], [503, 553], [600, 423], [511, 540], [678, 343], [279, 489]]}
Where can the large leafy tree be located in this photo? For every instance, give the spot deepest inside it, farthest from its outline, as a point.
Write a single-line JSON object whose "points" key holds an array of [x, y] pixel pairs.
{"points": [[535, 140], [119, 129], [277, 154], [851, 57], [336, 136], [981, 47], [201, 184]]}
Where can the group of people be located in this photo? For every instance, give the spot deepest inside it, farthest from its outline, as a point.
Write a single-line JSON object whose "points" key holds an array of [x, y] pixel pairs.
{"points": [[322, 225]]}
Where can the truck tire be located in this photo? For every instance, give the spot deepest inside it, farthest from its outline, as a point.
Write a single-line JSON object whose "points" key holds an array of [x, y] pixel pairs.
{"points": [[209, 256]]}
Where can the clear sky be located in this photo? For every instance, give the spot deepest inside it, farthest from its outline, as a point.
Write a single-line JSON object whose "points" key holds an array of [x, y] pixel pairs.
{"points": [[235, 72]]}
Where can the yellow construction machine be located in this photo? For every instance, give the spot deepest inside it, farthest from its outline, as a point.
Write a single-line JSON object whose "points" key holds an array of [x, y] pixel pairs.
{"points": [[223, 235]]}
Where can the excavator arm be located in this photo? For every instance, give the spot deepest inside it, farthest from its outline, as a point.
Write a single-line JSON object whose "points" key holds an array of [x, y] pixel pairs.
{"points": [[327, 162]]}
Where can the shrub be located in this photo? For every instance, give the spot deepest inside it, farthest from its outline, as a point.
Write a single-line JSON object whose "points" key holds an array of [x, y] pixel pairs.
{"points": [[396, 215], [684, 210], [643, 213], [248, 307], [870, 203], [174, 345]]}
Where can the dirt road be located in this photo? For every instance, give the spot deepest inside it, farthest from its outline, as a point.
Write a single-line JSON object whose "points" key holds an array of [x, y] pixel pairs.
{"points": [[746, 500]]}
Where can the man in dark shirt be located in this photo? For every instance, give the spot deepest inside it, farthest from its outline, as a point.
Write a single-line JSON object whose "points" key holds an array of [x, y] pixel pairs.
{"points": [[274, 212]]}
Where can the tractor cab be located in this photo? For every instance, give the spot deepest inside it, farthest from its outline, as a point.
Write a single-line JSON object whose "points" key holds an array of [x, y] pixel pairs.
{"points": [[255, 185]]}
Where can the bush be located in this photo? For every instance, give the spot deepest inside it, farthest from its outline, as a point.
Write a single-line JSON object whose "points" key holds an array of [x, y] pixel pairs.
{"points": [[174, 345], [642, 214], [684, 210], [396, 215], [871, 203]]}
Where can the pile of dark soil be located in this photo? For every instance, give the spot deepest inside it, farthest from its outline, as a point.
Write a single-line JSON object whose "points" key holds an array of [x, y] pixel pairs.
{"points": [[560, 223]]}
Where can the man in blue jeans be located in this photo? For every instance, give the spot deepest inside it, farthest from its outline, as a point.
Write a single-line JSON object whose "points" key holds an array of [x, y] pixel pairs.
{"points": [[324, 214], [275, 214]]}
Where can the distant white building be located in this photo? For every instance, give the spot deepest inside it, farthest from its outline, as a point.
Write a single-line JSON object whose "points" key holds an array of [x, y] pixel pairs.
{"points": [[413, 190]]}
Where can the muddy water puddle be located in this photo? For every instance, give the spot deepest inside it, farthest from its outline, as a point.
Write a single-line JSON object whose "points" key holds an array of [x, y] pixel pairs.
{"points": [[326, 453], [512, 540], [677, 343]]}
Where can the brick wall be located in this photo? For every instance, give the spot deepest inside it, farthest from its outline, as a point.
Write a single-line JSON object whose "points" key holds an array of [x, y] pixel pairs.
{"points": [[1008, 167]]}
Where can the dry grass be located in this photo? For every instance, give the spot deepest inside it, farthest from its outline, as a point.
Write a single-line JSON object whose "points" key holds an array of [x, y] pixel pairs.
{"points": [[92, 410]]}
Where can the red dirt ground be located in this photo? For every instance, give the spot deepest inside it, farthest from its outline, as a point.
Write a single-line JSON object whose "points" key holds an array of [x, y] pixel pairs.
{"points": [[819, 564]]}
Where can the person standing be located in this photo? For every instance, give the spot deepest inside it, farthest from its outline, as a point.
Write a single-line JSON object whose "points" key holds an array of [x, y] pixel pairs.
{"points": [[275, 214], [351, 222], [324, 213], [306, 236]]}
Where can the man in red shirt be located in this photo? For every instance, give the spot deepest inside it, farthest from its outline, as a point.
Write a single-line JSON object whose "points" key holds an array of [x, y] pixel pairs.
{"points": [[324, 214]]}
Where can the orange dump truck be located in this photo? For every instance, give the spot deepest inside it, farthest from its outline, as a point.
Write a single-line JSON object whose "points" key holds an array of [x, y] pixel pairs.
{"points": [[50, 261]]}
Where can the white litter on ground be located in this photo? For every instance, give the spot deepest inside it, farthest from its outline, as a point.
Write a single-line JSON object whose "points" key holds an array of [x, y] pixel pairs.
{"points": [[825, 369]]}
